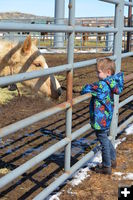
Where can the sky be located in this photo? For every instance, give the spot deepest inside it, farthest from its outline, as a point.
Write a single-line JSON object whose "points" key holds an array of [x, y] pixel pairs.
{"points": [[84, 8]]}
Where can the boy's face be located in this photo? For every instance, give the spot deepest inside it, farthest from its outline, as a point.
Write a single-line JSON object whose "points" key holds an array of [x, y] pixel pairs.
{"points": [[102, 75]]}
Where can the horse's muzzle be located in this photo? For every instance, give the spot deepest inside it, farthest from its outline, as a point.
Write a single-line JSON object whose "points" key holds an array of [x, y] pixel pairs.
{"points": [[59, 91], [12, 87]]}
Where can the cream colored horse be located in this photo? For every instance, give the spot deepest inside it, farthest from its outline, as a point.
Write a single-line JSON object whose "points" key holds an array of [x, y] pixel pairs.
{"points": [[25, 57]]}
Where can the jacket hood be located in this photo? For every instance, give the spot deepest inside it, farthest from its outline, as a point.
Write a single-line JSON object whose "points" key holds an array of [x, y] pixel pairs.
{"points": [[116, 82]]}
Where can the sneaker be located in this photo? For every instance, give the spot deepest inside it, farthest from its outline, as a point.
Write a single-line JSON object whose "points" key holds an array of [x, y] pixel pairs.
{"points": [[99, 165], [102, 169], [113, 164]]}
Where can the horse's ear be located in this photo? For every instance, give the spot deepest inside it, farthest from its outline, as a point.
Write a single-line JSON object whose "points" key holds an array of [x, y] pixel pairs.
{"points": [[34, 41], [27, 45]]}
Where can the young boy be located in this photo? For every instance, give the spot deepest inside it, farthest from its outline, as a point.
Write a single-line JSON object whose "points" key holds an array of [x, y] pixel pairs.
{"points": [[101, 109]]}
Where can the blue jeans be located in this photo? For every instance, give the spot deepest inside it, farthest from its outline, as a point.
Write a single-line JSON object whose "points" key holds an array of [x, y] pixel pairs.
{"points": [[108, 151]]}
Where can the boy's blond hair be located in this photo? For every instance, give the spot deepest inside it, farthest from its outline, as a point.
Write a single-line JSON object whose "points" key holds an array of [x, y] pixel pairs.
{"points": [[105, 64]]}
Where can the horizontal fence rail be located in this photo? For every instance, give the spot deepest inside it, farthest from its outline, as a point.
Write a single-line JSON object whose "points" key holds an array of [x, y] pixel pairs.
{"points": [[81, 29], [12, 27], [65, 176], [47, 113], [40, 157], [124, 124], [129, 99], [128, 77], [32, 75], [126, 3], [128, 29], [112, 1], [31, 163], [66, 106], [45, 72], [33, 119], [125, 55]]}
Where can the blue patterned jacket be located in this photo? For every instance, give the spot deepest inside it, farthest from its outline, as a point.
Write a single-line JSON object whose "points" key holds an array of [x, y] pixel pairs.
{"points": [[102, 101]]}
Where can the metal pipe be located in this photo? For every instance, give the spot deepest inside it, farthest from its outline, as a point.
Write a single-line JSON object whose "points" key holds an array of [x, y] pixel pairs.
{"points": [[6, 80], [42, 195], [81, 29], [66, 105], [121, 104], [42, 115], [128, 77], [70, 55], [80, 131], [124, 124], [119, 23], [129, 25], [81, 64], [79, 99], [34, 118], [32, 162], [59, 20], [128, 29], [124, 55], [111, 1], [128, 3], [13, 27]]}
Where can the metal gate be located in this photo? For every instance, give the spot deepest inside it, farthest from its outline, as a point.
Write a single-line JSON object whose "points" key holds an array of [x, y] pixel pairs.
{"points": [[71, 29]]}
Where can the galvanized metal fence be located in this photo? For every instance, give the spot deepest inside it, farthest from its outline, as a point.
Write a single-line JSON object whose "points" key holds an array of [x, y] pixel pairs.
{"points": [[92, 42], [67, 106]]}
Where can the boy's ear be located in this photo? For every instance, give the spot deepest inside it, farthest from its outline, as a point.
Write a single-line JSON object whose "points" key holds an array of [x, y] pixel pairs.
{"points": [[109, 73]]}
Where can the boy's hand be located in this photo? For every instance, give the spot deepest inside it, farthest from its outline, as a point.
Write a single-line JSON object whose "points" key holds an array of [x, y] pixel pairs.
{"points": [[84, 89], [81, 92]]}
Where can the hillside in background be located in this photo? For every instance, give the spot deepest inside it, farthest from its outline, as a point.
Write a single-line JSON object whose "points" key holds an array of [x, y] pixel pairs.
{"points": [[17, 16]]}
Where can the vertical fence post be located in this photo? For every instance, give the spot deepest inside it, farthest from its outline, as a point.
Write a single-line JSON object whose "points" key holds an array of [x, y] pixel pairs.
{"points": [[119, 23], [96, 34], [129, 34], [59, 19], [70, 85]]}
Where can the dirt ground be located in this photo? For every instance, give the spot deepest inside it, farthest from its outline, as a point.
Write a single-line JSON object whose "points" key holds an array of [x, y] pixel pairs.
{"points": [[102, 187], [21, 146]]}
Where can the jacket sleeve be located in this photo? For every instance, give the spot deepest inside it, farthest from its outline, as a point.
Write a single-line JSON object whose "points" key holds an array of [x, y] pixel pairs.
{"points": [[98, 89], [91, 88]]}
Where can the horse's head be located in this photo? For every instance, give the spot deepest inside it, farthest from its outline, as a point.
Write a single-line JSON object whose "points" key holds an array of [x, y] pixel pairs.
{"points": [[25, 57]]}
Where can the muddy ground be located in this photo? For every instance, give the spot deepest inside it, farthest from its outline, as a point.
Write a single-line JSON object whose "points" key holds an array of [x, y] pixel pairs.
{"points": [[21, 146]]}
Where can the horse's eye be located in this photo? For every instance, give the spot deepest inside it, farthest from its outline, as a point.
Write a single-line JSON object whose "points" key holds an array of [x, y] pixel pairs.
{"points": [[37, 64]]}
